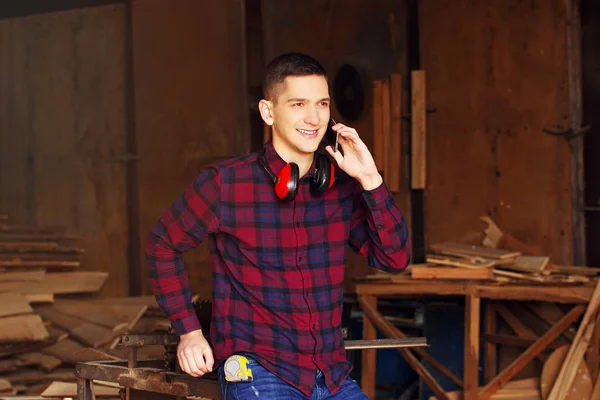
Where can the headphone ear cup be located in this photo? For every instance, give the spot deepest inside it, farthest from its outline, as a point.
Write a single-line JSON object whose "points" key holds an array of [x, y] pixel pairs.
{"points": [[323, 178], [286, 186]]}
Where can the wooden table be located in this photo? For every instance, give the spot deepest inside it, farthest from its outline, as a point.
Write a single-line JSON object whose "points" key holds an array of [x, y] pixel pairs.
{"points": [[368, 293]]}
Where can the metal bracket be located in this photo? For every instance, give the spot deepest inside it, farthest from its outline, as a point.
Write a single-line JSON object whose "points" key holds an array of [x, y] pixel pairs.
{"points": [[567, 133]]}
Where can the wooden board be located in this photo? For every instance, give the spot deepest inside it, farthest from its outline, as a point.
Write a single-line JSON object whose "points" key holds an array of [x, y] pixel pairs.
{"points": [[451, 273], [35, 275], [476, 251], [13, 304], [60, 283], [44, 361], [386, 125], [395, 143], [582, 385], [419, 130], [69, 389], [23, 328], [378, 145]]}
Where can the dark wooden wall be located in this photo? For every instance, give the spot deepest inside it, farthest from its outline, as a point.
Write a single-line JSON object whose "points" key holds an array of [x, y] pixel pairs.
{"points": [[63, 118], [190, 103], [62, 129], [497, 73]]}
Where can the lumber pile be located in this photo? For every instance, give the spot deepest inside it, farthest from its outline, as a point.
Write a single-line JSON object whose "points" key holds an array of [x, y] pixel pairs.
{"points": [[51, 317], [499, 258]]}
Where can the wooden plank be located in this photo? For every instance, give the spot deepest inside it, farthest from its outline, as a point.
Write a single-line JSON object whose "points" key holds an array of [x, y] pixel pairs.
{"points": [[517, 275], [593, 355], [44, 361], [567, 294], [528, 355], [35, 247], [60, 283], [490, 351], [69, 389], [35, 275], [451, 273], [29, 377], [459, 261], [530, 264], [459, 249], [576, 270], [386, 125], [40, 298], [395, 143], [379, 149], [19, 263], [566, 376], [471, 357], [13, 304], [369, 360], [419, 135], [23, 328], [377, 319]]}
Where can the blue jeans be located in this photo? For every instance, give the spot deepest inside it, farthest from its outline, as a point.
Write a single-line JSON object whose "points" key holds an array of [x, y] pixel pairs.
{"points": [[267, 386]]}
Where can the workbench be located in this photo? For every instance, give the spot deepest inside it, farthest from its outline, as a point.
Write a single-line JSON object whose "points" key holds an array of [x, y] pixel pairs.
{"points": [[473, 293]]}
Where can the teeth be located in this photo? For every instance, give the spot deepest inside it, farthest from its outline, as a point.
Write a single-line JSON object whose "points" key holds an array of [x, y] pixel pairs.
{"points": [[307, 132]]}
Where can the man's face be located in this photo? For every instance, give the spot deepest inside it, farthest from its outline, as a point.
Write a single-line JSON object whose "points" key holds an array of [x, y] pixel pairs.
{"points": [[301, 114]]}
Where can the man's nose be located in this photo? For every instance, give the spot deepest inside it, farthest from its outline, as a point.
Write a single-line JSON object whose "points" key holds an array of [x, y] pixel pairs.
{"points": [[312, 116]]}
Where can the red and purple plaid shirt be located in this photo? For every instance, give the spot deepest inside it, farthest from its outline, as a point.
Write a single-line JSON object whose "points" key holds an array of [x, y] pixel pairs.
{"points": [[278, 268]]}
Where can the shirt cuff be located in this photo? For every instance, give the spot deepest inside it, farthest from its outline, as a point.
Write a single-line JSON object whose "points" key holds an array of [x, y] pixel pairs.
{"points": [[186, 324], [377, 197]]}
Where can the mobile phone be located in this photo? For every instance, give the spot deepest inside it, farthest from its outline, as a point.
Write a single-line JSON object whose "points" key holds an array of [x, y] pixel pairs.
{"points": [[331, 136]]}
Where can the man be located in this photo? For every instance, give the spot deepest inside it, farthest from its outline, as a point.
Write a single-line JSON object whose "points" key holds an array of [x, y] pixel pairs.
{"points": [[278, 253]]}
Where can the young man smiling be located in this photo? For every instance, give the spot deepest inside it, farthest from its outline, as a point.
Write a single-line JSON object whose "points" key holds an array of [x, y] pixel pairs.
{"points": [[278, 258]]}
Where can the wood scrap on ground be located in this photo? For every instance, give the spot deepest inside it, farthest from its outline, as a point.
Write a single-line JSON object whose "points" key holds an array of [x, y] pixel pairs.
{"points": [[44, 330]]}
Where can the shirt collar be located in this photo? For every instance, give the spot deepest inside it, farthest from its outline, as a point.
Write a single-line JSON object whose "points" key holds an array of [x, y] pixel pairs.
{"points": [[276, 163]]}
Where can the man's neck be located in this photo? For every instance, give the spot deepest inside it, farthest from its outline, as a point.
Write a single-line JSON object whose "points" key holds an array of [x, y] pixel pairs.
{"points": [[304, 161]]}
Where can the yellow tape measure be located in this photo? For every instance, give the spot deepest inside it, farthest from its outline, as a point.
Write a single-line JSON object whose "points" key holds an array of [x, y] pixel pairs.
{"points": [[236, 369]]}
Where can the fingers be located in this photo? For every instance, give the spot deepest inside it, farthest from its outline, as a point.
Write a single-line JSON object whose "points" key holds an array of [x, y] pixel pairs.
{"points": [[209, 360], [336, 155], [196, 360]]}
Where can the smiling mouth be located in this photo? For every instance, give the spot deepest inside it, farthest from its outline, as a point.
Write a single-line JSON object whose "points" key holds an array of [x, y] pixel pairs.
{"points": [[307, 132]]}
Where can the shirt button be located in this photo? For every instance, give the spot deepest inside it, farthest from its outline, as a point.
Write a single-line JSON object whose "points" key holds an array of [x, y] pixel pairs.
{"points": [[300, 259], [298, 224], [314, 326]]}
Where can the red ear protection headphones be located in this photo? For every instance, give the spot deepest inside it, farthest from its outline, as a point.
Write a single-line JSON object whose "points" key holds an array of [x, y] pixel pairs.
{"points": [[287, 180]]}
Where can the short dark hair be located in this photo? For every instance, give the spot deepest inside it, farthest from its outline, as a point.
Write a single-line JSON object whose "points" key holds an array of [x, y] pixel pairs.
{"points": [[289, 64]]}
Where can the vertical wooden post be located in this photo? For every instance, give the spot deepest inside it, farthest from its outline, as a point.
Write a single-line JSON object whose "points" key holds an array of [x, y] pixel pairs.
{"points": [[491, 353], [386, 126], [395, 148], [472, 309], [378, 148], [369, 357], [418, 142]]}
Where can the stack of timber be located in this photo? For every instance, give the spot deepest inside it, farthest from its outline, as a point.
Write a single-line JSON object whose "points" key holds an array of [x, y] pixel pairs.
{"points": [[51, 316], [499, 258]]}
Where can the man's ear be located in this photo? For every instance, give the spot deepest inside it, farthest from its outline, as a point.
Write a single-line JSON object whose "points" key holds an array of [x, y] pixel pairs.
{"points": [[266, 111]]}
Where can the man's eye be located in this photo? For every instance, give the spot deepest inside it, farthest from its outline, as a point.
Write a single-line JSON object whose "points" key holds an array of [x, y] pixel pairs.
{"points": [[298, 104]]}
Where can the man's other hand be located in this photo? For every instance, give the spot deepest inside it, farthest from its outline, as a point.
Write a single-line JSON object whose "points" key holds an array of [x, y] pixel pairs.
{"points": [[194, 354]]}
